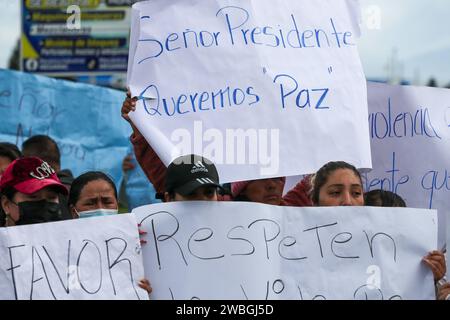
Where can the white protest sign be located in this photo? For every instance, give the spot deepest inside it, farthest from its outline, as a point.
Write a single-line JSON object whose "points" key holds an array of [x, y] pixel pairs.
{"points": [[410, 141], [238, 250], [266, 90], [95, 258]]}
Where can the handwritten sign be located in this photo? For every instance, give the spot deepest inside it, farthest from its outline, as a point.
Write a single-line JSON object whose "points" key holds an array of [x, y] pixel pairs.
{"points": [[410, 139], [211, 250], [236, 83], [84, 120], [97, 258]]}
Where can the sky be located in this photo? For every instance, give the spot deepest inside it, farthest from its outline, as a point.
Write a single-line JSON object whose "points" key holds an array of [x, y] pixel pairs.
{"points": [[9, 28], [414, 34], [417, 30]]}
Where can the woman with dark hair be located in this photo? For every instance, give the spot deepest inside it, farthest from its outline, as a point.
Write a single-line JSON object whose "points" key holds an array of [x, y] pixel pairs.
{"points": [[8, 153], [94, 194], [337, 183]]}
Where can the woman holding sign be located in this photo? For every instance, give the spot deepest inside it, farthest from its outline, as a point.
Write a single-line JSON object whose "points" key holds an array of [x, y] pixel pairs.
{"points": [[339, 184], [94, 194]]}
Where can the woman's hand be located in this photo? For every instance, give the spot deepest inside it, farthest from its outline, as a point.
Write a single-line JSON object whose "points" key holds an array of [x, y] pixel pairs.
{"points": [[128, 105], [145, 284], [444, 292], [436, 261]]}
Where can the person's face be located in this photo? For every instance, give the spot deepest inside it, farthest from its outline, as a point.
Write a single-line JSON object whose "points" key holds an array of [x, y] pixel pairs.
{"points": [[343, 188], [97, 194], [205, 193], [268, 191], [4, 163], [11, 207]]}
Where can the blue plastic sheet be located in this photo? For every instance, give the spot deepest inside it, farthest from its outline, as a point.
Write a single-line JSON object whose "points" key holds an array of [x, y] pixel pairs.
{"points": [[139, 191], [83, 119]]}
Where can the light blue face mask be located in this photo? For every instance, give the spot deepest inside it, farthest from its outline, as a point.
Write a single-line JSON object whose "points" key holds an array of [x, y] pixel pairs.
{"points": [[97, 213]]}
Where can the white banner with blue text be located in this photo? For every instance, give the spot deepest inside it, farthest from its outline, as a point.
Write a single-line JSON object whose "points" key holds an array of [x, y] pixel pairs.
{"points": [[262, 88], [410, 141]]}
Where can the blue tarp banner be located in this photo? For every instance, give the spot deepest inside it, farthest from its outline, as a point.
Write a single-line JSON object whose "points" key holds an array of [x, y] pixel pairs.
{"points": [[139, 191], [84, 120]]}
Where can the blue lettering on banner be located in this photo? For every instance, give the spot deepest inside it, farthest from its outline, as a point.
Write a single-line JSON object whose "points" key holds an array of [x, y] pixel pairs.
{"points": [[311, 98], [391, 183], [430, 182], [435, 180], [389, 124], [228, 96], [238, 31], [197, 101]]}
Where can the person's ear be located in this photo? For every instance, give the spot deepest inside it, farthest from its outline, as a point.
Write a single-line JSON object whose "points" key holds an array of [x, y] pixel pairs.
{"points": [[6, 204], [73, 211]]}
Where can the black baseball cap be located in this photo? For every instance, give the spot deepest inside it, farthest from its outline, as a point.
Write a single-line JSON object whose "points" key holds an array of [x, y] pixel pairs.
{"points": [[187, 173]]}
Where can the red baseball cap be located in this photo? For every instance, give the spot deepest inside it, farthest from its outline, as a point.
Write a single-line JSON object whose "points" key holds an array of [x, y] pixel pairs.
{"points": [[29, 175]]}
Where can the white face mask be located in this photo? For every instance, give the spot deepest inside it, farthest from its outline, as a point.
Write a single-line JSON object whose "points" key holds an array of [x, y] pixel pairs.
{"points": [[97, 213]]}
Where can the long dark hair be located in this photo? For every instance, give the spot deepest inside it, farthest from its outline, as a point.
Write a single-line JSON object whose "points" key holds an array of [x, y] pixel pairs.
{"points": [[11, 152], [79, 183], [321, 177]]}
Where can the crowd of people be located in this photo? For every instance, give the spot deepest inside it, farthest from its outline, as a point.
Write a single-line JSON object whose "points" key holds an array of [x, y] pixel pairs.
{"points": [[34, 189]]}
